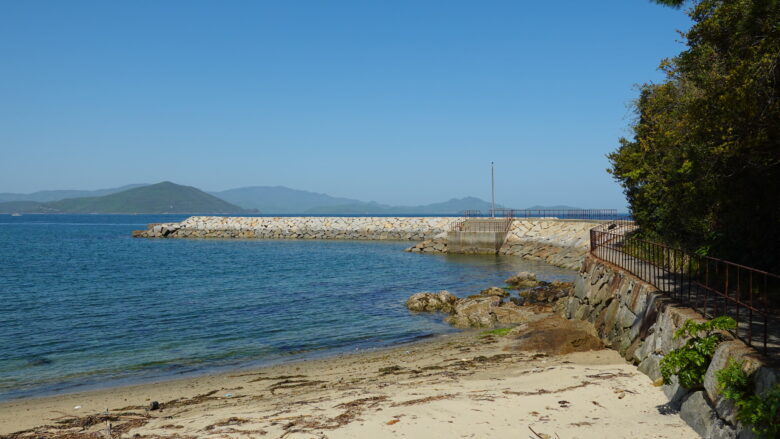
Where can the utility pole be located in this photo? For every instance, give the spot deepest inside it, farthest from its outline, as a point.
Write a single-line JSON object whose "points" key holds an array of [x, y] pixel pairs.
{"points": [[493, 190]]}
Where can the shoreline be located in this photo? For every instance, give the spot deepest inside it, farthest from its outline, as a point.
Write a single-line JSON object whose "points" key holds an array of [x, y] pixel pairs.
{"points": [[454, 384], [173, 382], [109, 383]]}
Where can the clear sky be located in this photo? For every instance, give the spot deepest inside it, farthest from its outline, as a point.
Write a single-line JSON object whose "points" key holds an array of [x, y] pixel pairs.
{"points": [[400, 102]]}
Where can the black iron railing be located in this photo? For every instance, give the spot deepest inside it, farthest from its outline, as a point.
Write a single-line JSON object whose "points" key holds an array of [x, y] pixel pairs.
{"points": [[711, 286]]}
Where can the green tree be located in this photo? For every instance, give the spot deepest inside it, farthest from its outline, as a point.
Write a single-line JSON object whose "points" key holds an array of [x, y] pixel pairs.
{"points": [[703, 167]]}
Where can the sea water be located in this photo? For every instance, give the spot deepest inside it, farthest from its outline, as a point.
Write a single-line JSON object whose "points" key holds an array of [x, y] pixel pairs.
{"points": [[83, 305]]}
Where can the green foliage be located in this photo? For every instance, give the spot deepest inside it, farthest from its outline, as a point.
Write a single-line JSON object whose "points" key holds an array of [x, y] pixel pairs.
{"points": [[703, 167], [690, 362], [760, 411], [499, 332], [733, 382]]}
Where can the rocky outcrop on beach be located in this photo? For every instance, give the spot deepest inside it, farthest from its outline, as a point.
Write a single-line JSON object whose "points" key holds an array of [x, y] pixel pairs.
{"points": [[546, 292], [493, 306], [494, 291], [523, 279], [443, 301], [488, 312]]}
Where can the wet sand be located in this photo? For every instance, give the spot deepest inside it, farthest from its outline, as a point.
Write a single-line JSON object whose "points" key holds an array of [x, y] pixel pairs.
{"points": [[461, 385]]}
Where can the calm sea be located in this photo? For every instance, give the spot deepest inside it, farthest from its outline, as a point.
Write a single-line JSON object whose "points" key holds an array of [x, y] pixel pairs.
{"points": [[83, 305]]}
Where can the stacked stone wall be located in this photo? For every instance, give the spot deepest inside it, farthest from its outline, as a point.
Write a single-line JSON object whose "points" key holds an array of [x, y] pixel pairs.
{"points": [[638, 321]]}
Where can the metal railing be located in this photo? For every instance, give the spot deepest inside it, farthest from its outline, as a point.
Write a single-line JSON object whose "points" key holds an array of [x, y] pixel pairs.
{"points": [[482, 225], [581, 214], [472, 213], [711, 286]]}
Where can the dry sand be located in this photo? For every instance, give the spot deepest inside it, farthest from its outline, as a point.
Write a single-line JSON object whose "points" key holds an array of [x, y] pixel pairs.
{"points": [[462, 385]]}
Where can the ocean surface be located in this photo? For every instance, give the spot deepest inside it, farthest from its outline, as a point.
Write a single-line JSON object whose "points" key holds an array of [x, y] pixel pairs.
{"points": [[83, 305]]}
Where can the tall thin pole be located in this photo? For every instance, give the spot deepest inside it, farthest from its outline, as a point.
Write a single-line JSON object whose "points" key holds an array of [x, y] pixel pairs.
{"points": [[493, 190]]}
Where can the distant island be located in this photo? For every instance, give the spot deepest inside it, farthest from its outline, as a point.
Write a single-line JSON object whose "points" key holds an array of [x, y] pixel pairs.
{"points": [[165, 197], [168, 197]]}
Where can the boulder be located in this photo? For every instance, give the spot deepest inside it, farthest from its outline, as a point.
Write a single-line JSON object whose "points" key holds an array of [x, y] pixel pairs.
{"points": [[495, 291], [443, 301], [523, 279], [697, 412], [475, 312], [546, 293], [510, 313]]}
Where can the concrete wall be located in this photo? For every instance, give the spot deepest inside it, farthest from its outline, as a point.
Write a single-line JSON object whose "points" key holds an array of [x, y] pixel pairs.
{"points": [[474, 242], [563, 243], [638, 321]]}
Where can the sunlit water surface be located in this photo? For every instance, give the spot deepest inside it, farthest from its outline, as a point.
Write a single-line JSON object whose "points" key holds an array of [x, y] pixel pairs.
{"points": [[84, 305]]}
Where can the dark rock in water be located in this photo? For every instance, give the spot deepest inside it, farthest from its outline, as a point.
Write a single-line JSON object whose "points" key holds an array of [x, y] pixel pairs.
{"points": [[38, 361], [154, 405]]}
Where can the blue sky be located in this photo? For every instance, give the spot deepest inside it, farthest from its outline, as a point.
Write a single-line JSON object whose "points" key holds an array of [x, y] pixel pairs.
{"points": [[401, 102]]}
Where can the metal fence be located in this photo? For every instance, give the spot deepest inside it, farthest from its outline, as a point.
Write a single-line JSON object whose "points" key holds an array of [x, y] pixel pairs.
{"points": [[581, 214], [474, 224], [711, 286]]}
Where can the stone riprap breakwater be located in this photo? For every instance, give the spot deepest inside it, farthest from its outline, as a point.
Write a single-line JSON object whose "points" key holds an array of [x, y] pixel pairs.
{"points": [[637, 320], [563, 243], [360, 228]]}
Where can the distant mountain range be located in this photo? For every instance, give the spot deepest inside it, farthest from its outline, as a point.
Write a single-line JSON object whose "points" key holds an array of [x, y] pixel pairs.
{"points": [[280, 199], [167, 197], [46, 196]]}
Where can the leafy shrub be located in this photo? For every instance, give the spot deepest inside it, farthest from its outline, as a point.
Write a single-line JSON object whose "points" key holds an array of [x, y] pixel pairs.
{"points": [[690, 362], [733, 382], [760, 411]]}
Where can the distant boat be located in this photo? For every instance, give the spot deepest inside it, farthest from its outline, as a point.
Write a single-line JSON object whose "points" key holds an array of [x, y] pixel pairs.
{"points": [[16, 214]]}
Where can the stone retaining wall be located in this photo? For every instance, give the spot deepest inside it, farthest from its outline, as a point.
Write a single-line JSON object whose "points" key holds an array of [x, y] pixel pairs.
{"points": [[638, 321]]}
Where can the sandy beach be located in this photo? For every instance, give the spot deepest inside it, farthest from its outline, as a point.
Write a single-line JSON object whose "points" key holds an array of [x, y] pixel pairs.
{"points": [[464, 385]]}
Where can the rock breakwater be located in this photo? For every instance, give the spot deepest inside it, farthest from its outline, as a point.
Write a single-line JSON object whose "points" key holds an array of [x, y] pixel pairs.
{"points": [[360, 228], [563, 243]]}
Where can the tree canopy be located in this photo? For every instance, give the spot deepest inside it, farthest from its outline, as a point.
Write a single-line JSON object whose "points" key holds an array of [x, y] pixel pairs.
{"points": [[703, 167]]}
